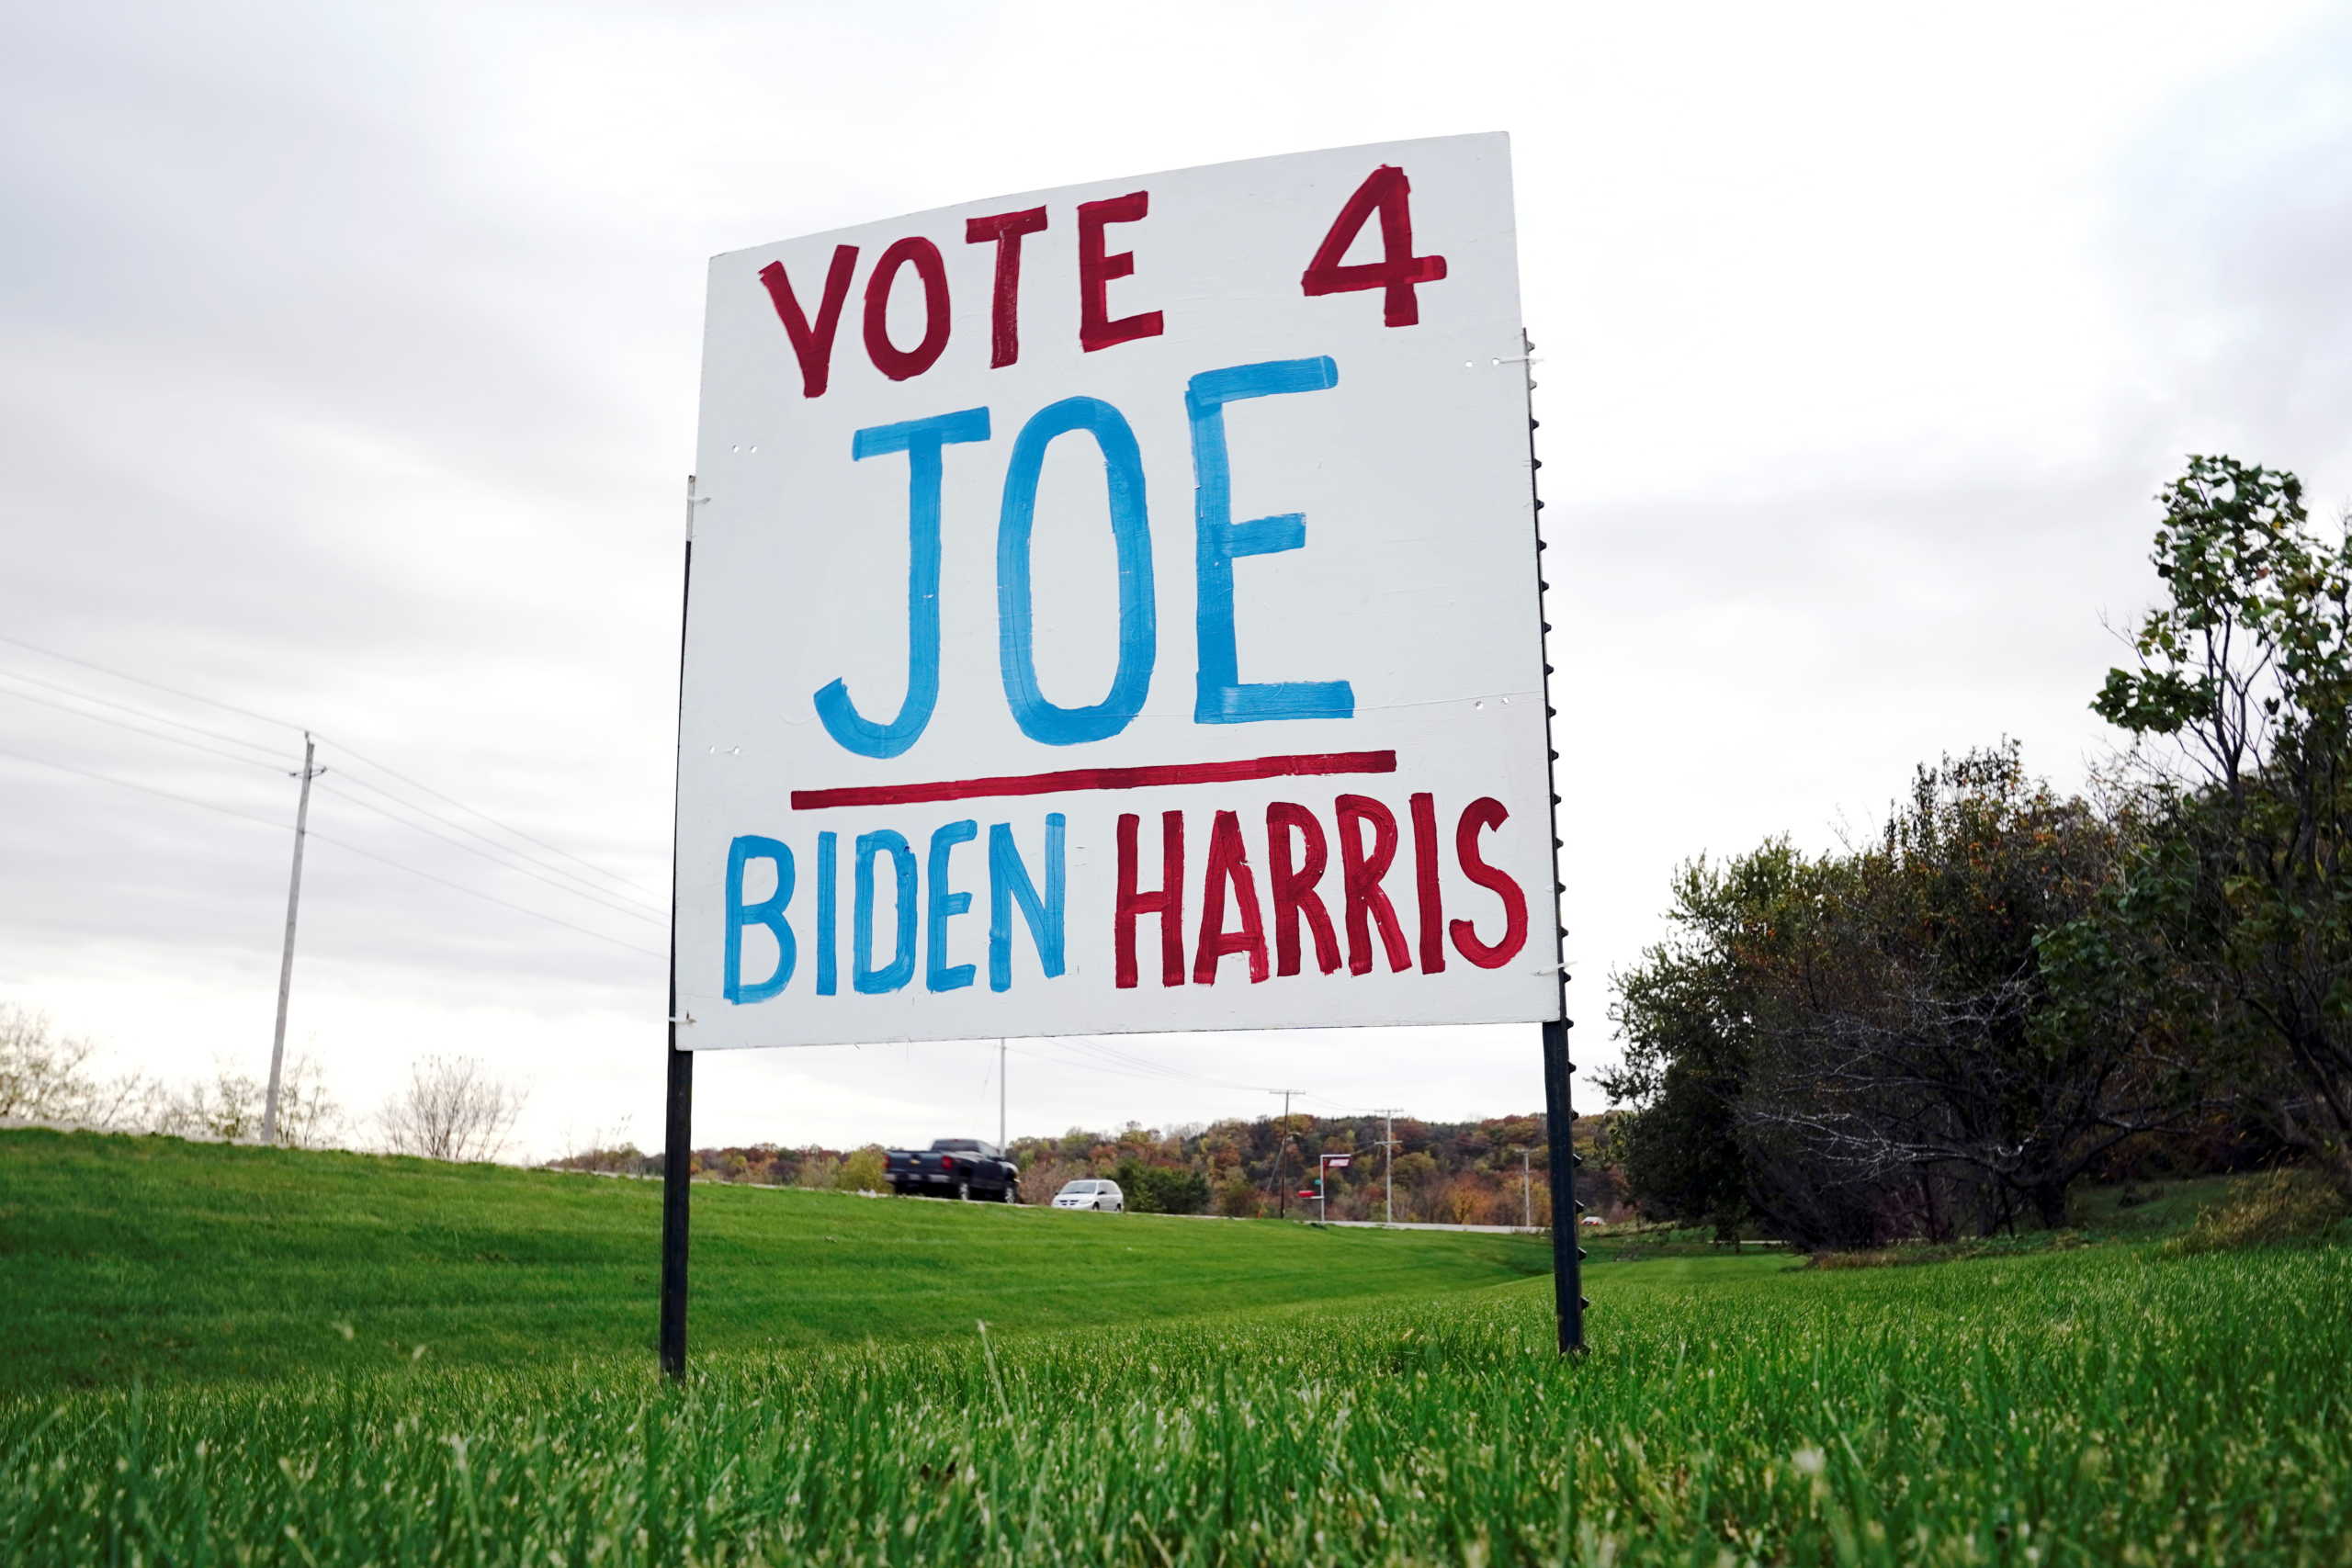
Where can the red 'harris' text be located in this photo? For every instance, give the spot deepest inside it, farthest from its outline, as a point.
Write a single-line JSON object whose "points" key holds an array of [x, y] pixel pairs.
{"points": [[1321, 885]]}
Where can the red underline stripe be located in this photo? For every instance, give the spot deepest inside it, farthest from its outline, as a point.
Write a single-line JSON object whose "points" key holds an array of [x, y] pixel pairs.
{"points": [[1100, 778]]}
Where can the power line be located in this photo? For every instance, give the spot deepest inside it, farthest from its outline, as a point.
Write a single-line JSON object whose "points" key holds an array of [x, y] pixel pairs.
{"points": [[1141, 1066], [154, 685], [1138, 1066], [1081, 1065], [502, 847], [287, 723], [1098, 1066], [614, 876], [140, 729], [143, 789], [354, 849], [1107, 1058], [485, 897], [78, 694], [1144, 1064], [592, 896], [595, 896]]}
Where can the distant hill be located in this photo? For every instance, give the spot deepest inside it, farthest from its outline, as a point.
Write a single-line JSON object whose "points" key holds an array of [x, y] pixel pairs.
{"points": [[1440, 1172], [1444, 1173]]}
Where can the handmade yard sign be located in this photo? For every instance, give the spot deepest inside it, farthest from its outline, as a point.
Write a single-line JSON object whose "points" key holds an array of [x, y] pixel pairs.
{"points": [[1117, 608]]}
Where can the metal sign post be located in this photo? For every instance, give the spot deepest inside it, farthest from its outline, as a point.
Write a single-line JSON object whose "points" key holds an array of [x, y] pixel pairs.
{"points": [[677, 1176], [1559, 1125], [1559, 1113], [678, 1115]]}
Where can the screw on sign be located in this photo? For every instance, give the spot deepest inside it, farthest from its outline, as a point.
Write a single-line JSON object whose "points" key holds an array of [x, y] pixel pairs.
{"points": [[1117, 609]]}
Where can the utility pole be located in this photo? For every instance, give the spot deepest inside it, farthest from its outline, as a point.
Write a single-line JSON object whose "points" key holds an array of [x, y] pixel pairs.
{"points": [[1526, 1194], [1387, 1115], [1282, 1190], [1000, 1144], [286, 960]]}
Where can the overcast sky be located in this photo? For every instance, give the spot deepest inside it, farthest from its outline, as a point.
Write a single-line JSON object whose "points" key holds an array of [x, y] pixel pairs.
{"points": [[351, 382]]}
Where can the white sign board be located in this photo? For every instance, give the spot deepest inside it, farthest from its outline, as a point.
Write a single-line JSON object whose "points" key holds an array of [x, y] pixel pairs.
{"points": [[1115, 608]]}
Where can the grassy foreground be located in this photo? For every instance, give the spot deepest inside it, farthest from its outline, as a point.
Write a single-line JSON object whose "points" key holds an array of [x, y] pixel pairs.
{"points": [[1214, 1394], [2100, 1406], [123, 1258]]}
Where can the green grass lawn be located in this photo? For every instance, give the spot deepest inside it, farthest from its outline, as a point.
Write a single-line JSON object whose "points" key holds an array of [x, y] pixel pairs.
{"points": [[124, 1257], [2092, 1405], [2088, 1408]]}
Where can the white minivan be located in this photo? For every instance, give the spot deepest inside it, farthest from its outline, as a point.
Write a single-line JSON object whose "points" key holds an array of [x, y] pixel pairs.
{"points": [[1099, 1195]]}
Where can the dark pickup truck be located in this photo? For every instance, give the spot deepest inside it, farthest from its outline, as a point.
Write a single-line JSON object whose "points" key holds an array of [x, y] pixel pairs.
{"points": [[954, 1167]]}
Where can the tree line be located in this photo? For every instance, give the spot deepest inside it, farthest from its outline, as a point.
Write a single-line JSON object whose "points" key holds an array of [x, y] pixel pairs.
{"points": [[1441, 1172], [2007, 990]]}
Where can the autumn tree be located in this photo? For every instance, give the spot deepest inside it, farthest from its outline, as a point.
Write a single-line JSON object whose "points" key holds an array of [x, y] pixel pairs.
{"points": [[1873, 1042], [1917, 1033], [864, 1170]]}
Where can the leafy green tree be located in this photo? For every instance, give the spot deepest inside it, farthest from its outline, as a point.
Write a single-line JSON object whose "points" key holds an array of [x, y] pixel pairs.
{"points": [[1181, 1191], [2245, 887], [1688, 1031], [1162, 1189]]}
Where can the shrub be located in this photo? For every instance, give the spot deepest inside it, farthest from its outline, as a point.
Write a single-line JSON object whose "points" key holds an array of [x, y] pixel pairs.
{"points": [[2279, 1207], [1162, 1189], [863, 1172], [1239, 1198]]}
